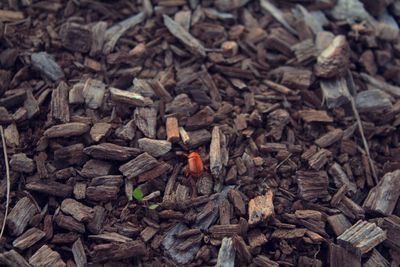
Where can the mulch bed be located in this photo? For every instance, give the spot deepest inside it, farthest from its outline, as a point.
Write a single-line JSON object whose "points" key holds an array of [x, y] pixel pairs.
{"points": [[292, 106]]}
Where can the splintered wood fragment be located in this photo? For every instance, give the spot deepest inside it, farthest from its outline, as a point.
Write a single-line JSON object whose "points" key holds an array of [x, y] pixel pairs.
{"points": [[311, 115], [305, 51], [215, 152], [198, 138], [276, 123], [277, 14], [351, 209], [113, 33], [99, 130], [59, 103], [51, 188], [263, 261], [46, 64], [104, 188], [376, 259], [77, 210], [362, 237], [67, 130], [201, 119], [373, 100], [109, 151], [75, 95], [93, 92], [5, 116], [319, 159], [21, 163], [126, 132], [111, 237], [79, 253], [96, 224], [13, 259], [221, 231], [226, 253], [29, 238], [334, 60], [340, 177], [95, 167], [79, 190], [338, 223], [341, 257], [142, 163], [172, 129], [335, 92], [157, 171], [279, 88], [65, 238], [391, 225], [75, 37], [118, 251], [40, 161], [69, 223], [312, 184], [20, 216], [182, 105], [184, 36], [383, 197], [98, 37], [234, 72], [156, 148], [329, 138], [339, 195], [242, 249], [146, 120], [261, 208], [184, 135], [238, 203], [289, 233], [130, 98], [72, 154], [375, 83], [9, 15], [160, 91], [148, 233], [45, 256]]}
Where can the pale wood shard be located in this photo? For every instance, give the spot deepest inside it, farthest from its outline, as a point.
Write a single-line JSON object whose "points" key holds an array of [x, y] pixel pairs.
{"points": [[383, 197], [341, 257], [277, 14], [338, 223], [261, 208], [340, 177], [46, 64], [67, 130], [51, 188], [29, 238], [373, 100], [184, 36], [11, 16], [46, 257], [335, 92], [126, 132], [362, 237], [98, 37], [155, 148], [226, 253], [99, 130], [376, 260], [93, 92], [80, 190], [138, 165], [146, 120], [21, 163], [334, 60], [118, 251], [277, 121], [172, 129], [130, 98], [375, 83], [5, 116], [13, 259], [109, 151], [329, 138], [111, 237], [79, 253], [311, 115], [148, 233], [215, 152], [75, 95], [77, 210], [59, 103], [69, 223], [20, 216], [312, 184], [263, 261], [279, 88]]}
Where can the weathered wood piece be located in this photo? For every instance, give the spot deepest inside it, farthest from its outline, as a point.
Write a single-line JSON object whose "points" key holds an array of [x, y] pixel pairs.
{"points": [[201, 119], [13, 259], [93, 93], [184, 36], [362, 237], [312, 184], [67, 130], [340, 177], [109, 151], [383, 197], [146, 120], [311, 115], [79, 253], [341, 257], [69, 223], [138, 165], [46, 257], [118, 251], [172, 129], [46, 64], [155, 148], [21, 163], [29, 238], [51, 188], [130, 98], [126, 132], [104, 188], [59, 103], [76, 37], [100, 130], [329, 138], [215, 152], [111, 237], [263, 261], [373, 100], [226, 254], [11, 135], [261, 208], [335, 92], [98, 37], [96, 224], [338, 223], [376, 259], [20, 216], [72, 154], [388, 88], [77, 210], [277, 14]]}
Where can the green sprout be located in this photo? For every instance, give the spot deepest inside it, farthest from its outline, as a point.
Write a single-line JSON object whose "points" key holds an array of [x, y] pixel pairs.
{"points": [[137, 194]]}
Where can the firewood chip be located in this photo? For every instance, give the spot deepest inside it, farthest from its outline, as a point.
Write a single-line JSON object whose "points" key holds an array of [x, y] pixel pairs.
{"points": [[261, 208]]}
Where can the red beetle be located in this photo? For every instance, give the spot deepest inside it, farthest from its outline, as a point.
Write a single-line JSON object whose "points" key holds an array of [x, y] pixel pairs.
{"points": [[195, 165]]}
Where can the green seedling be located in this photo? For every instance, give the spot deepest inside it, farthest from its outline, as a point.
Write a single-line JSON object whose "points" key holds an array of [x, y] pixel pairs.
{"points": [[137, 194]]}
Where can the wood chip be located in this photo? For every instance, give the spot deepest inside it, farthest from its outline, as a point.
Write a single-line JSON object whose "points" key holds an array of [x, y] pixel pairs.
{"points": [[261, 208]]}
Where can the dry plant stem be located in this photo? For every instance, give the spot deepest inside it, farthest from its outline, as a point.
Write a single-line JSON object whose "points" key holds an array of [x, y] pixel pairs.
{"points": [[8, 180]]}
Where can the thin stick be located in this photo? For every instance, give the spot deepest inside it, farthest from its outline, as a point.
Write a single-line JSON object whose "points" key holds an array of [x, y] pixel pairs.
{"points": [[8, 180]]}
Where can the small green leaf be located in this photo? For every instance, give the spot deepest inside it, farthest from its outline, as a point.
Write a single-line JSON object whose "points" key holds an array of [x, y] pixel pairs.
{"points": [[137, 194], [153, 206]]}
